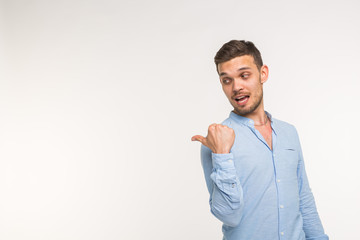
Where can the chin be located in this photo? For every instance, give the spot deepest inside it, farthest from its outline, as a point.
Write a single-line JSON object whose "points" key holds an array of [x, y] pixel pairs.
{"points": [[242, 112]]}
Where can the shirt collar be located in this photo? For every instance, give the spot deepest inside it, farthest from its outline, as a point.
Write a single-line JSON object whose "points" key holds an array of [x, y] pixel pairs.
{"points": [[247, 121]]}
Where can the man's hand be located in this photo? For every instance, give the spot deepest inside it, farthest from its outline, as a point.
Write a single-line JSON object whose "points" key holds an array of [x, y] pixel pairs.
{"points": [[220, 138]]}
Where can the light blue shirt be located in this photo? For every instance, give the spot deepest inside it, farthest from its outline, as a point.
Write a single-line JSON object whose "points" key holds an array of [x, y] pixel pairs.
{"points": [[259, 193]]}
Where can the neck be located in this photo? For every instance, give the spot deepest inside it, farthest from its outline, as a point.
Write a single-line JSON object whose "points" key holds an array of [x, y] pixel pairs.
{"points": [[259, 118], [258, 115]]}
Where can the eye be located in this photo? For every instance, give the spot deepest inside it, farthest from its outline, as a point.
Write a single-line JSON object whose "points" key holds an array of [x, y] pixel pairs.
{"points": [[245, 75], [226, 81]]}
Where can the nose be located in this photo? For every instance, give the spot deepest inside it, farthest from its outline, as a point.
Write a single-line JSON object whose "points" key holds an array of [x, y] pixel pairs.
{"points": [[237, 85]]}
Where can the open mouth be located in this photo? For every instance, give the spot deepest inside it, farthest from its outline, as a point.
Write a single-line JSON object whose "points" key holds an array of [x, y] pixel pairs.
{"points": [[241, 99]]}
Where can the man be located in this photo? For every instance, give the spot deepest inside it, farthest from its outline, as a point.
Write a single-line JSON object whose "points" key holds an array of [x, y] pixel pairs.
{"points": [[253, 163]]}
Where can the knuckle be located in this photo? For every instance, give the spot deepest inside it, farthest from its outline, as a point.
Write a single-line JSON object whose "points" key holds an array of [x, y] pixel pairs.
{"points": [[212, 126]]}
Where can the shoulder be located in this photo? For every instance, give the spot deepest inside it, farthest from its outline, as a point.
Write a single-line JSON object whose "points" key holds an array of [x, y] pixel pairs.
{"points": [[282, 124], [228, 122], [284, 127]]}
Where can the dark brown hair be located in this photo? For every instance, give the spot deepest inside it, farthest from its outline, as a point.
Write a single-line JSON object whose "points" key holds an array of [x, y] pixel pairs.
{"points": [[237, 48]]}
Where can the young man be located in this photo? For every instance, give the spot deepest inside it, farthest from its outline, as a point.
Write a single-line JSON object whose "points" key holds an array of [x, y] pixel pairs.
{"points": [[253, 163]]}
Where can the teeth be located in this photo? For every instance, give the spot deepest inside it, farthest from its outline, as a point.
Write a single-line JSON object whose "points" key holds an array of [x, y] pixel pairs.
{"points": [[241, 99]]}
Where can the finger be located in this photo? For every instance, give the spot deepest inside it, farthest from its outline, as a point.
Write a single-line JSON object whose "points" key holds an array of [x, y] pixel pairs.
{"points": [[198, 138]]}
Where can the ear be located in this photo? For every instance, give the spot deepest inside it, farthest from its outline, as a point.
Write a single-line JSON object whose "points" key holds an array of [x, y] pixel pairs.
{"points": [[264, 73]]}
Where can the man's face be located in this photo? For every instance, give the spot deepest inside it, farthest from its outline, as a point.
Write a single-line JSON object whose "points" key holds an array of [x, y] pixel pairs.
{"points": [[242, 82]]}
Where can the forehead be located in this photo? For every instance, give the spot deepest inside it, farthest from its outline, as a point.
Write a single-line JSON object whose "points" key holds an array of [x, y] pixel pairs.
{"points": [[234, 65]]}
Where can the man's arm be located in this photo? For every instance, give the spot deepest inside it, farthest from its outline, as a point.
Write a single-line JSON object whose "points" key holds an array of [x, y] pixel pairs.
{"points": [[311, 221], [220, 174], [226, 196]]}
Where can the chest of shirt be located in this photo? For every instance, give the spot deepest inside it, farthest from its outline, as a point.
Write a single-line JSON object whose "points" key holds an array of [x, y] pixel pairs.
{"points": [[254, 160]]}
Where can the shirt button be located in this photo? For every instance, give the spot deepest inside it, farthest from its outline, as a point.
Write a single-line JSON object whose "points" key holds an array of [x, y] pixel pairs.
{"points": [[278, 180], [274, 155], [233, 185], [282, 233], [281, 206]]}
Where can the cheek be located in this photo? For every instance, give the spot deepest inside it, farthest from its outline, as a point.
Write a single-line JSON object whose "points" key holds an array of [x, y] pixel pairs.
{"points": [[227, 90], [255, 88]]}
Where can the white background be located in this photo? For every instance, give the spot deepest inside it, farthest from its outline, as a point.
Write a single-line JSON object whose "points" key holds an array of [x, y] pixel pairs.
{"points": [[99, 100]]}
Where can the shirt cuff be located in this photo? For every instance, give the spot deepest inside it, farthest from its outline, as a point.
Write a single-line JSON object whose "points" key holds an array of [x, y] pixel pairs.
{"points": [[223, 160]]}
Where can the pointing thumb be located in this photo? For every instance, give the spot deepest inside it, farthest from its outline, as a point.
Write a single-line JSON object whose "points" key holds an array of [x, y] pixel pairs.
{"points": [[198, 138]]}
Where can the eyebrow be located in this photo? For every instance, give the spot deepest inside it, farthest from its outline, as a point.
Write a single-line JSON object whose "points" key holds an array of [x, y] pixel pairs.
{"points": [[240, 69]]}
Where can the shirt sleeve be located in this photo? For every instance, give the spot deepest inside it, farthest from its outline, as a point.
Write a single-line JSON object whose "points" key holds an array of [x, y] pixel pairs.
{"points": [[226, 196], [311, 221]]}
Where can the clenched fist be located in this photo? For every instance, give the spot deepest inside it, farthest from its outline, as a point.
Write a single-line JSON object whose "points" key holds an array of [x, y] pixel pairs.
{"points": [[220, 138]]}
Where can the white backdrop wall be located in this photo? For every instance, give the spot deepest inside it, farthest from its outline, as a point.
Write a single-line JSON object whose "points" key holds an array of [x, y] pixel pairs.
{"points": [[99, 100]]}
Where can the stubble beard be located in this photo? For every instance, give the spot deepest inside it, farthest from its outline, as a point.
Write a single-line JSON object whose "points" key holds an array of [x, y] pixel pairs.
{"points": [[247, 110]]}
